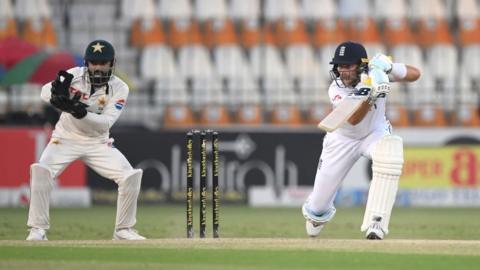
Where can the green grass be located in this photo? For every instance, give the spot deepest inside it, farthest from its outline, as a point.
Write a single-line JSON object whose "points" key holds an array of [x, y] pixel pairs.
{"points": [[251, 238]]}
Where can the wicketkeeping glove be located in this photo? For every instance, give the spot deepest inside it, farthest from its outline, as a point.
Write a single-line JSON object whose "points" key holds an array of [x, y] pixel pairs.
{"points": [[61, 84], [61, 102], [77, 108]]}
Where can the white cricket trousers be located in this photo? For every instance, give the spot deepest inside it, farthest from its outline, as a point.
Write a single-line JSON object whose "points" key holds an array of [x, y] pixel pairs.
{"points": [[103, 158], [339, 154]]}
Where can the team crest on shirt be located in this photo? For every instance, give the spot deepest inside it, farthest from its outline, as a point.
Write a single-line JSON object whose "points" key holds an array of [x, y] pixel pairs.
{"points": [[101, 102], [337, 97], [119, 104]]}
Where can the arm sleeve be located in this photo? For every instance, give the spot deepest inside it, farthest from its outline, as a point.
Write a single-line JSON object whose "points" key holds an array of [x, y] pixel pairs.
{"points": [[46, 92], [103, 122]]}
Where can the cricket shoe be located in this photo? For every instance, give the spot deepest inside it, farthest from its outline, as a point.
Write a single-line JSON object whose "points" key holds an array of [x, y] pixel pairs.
{"points": [[314, 223], [127, 234], [375, 231], [313, 229], [37, 234]]}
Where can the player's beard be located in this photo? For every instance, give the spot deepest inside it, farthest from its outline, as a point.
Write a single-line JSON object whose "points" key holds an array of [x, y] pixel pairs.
{"points": [[349, 78]]}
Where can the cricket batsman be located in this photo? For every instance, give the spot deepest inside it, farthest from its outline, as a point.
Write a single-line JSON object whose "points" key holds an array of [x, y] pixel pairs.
{"points": [[90, 99], [366, 133]]}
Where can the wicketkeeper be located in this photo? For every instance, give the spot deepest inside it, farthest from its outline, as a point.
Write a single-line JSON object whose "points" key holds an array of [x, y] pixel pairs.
{"points": [[90, 99], [366, 133]]}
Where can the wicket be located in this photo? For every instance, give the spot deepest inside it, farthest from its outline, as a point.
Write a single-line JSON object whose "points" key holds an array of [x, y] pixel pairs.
{"points": [[202, 138]]}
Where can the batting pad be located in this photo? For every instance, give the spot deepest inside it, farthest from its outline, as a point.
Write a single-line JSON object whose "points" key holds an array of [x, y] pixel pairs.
{"points": [[41, 185], [128, 190], [387, 166]]}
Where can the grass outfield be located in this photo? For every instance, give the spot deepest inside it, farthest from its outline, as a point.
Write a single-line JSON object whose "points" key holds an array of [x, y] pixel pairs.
{"points": [[251, 238]]}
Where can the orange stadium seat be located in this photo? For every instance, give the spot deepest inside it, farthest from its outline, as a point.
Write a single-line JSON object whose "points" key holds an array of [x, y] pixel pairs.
{"points": [[363, 30], [397, 31], [183, 32], [433, 31], [469, 31], [467, 12], [249, 114], [219, 32], [214, 115], [429, 115], [286, 114], [40, 32], [8, 28], [467, 115], [178, 116], [146, 31], [329, 32], [291, 31], [251, 34], [397, 115]]}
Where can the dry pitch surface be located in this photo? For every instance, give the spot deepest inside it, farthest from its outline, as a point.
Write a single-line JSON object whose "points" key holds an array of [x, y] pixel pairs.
{"points": [[403, 246]]}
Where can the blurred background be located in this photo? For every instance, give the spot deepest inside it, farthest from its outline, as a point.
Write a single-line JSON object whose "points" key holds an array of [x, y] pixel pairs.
{"points": [[257, 71]]}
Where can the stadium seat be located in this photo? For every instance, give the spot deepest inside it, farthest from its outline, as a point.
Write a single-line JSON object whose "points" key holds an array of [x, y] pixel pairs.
{"points": [[157, 62], [431, 20], [328, 32], [433, 31], [353, 9], [252, 34], [300, 61], [244, 10], [275, 10], [24, 98], [146, 31], [280, 98], [140, 111], [396, 109], [37, 27], [244, 99], [426, 9], [208, 98], [316, 10], [194, 62], [205, 10], [219, 32], [426, 102], [470, 66], [408, 53], [172, 94], [290, 32], [395, 10], [467, 107], [442, 62], [397, 32], [363, 30], [313, 98], [8, 25], [183, 32], [468, 22], [174, 10], [40, 32], [281, 101], [230, 62]]}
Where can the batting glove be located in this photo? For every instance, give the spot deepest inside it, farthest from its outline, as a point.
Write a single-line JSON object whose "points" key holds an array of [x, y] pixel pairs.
{"points": [[382, 62]]}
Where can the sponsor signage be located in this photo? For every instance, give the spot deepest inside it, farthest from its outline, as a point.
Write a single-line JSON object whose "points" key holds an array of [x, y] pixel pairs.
{"points": [[20, 148]]}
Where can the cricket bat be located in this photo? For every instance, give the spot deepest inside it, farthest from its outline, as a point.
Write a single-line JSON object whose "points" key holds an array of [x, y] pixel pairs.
{"points": [[346, 108]]}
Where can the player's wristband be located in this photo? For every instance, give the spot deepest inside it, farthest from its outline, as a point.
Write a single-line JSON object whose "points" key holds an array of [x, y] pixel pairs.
{"points": [[399, 70]]}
